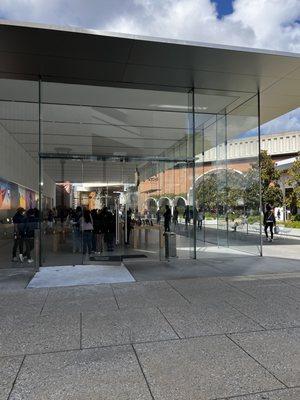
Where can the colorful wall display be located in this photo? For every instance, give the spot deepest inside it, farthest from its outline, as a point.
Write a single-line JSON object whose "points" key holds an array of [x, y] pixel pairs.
{"points": [[30, 198], [22, 197], [5, 196], [13, 196]]}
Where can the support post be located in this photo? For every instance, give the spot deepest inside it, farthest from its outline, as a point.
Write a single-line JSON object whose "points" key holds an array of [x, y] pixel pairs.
{"points": [[259, 168], [40, 175], [194, 177]]}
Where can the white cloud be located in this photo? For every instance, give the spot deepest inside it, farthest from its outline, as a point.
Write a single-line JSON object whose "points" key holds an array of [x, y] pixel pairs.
{"points": [[254, 23]]}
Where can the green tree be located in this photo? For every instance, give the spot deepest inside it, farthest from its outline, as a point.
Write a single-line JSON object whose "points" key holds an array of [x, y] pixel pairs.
{"points": [[229, 189], [220, 189], [251, 189], [293, 200], [271, 192], [207, 191]]}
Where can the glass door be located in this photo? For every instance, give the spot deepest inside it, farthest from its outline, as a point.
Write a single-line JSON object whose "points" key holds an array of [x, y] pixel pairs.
{"points": [[122, 227], [115, 208], [61, 234]]}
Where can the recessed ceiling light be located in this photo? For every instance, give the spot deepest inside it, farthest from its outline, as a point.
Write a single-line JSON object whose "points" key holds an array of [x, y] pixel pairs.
{"points": [[177, 107]]}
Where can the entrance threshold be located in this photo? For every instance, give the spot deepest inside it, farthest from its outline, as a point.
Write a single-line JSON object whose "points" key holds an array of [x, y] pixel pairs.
{"points": [[77, 275]]}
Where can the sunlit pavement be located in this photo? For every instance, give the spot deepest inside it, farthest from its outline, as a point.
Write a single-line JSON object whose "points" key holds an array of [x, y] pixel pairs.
{"points": [[226, 326]]}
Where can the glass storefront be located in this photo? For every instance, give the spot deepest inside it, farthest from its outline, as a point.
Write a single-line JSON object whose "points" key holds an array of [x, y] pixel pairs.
{"points": [[150, 166], [227, 178]]}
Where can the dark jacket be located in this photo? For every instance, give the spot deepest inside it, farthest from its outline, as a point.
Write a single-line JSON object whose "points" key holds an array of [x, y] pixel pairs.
{"points": [[168, 215], [269, 217], [19, 224], [31, 223]]}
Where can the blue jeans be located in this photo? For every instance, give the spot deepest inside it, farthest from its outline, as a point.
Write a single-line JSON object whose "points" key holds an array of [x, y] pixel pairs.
{"points": [[87, 241]]}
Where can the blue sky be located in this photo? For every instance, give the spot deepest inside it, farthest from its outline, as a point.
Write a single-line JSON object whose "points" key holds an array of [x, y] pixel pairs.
{"points": [[224, 7], [266, 24]]}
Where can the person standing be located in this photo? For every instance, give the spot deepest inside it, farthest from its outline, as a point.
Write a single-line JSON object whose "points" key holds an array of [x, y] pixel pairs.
{"points": [[77, 238], [158, 216], [86, 223], [269, 222], [278, 214], [129, 226], [101, 222], [96, 232], [187, 215], [175, 216], [19, 225], [167, 218], [200, 218], [31, 224], [110, 230], [50, 220]]}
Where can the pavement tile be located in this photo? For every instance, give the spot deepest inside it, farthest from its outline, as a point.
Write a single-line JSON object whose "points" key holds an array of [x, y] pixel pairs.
{"points": [[19, 302], [124, 326], [79, 299], [141, 285], [274, 289], [293, 281], [37, 334], [148, 294], [197, 283], [288, 394], [255, 265], [208, 290], [9, 367], [156, 270], [278, 351], [269, 313], [207, 319], [108, 373], [202, 368]]}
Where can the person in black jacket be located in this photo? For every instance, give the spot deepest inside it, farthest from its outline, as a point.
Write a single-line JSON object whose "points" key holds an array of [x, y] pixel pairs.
{"points": [[167, 218], [269, 222], [96, 231], [129, 226], [187, 215], [19, 225], [108, 228], [31, 224]]}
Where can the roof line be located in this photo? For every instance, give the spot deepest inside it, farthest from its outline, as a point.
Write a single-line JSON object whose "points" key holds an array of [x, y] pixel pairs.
{"points": [[98, 32]]}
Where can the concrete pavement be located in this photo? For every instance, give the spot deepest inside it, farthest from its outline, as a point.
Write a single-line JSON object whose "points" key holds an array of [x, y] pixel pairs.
{"points": [[226, 328]]}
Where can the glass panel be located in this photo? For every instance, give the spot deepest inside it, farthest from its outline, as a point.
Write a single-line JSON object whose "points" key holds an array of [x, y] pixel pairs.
{"points": [[19, 181], [209, 186], [227, 177], [154, 137], [221, 174], [199, 181], [62, 241], [148, 129], [243, 178]]}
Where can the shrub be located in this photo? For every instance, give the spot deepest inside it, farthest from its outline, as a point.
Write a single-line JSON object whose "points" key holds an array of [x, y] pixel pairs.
{"points": [[292, 224], [252, 219]]}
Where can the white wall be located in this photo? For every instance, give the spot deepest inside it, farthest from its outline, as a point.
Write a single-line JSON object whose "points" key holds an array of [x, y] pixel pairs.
{"points": [[17, 166]]}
